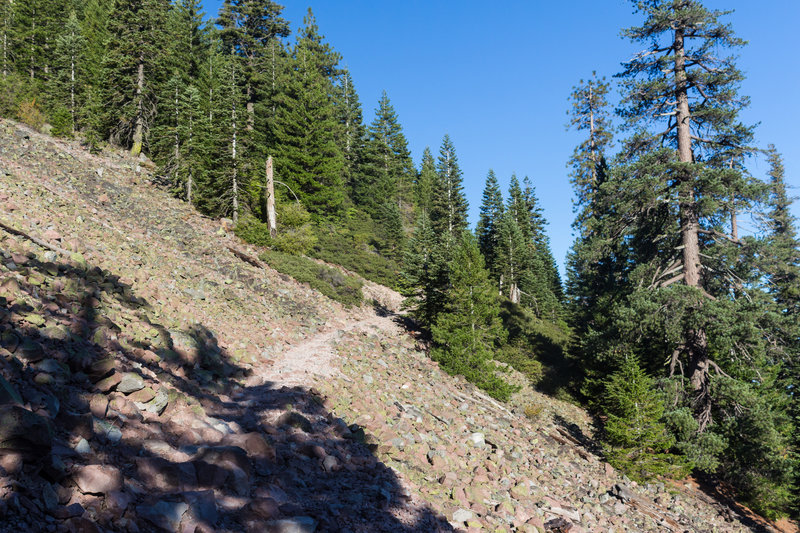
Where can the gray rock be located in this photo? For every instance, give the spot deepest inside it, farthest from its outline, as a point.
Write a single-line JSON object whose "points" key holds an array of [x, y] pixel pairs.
{"points": [[25, 432], [297, 524], [83, 447], [478, 440], [159, 403], [8, 394], [462, 515], [131, 382], [166, 515]]}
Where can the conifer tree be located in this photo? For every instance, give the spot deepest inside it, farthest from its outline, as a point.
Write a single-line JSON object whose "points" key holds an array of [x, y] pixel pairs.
{"points": [[426, 182], [182, 126], [449, 209], [309, 159], [488, 228], [351, 121], [468, 330], [132, 66], [68, 78], [637, 441], [425, 272], [589, 113], [387, 170]]}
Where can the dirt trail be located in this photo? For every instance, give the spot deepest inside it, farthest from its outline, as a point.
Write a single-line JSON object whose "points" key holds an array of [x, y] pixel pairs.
{"points": [[316, 356]]}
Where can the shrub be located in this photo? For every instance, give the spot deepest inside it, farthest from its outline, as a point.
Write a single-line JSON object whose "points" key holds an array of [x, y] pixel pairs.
{"points": [[533, 411], [328, 281], [61, 120], [353, 245], [29, 113], [295, 232]]}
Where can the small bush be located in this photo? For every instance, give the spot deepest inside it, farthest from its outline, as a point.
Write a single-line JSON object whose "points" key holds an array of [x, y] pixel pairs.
{"points": [[295, 232], [533, 411], [29, 113], [353, 245], [330, 282]]}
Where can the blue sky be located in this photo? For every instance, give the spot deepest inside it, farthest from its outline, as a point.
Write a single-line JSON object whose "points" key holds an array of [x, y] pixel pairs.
{"points": [[497, 79]]}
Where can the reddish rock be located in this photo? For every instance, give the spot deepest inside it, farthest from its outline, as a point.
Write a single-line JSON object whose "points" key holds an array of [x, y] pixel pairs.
{"points": [[98, 405], [98, 479], [265, 508], [160, 474], [105, 385]]}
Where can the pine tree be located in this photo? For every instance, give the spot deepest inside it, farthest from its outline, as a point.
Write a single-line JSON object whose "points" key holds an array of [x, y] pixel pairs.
{"points": [[488, 228], [468, 330], [449, 209], [512, 255]]}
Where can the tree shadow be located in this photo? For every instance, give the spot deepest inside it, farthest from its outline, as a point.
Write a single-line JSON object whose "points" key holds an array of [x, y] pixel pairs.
{"points": [[575, 434], [152, 429]]}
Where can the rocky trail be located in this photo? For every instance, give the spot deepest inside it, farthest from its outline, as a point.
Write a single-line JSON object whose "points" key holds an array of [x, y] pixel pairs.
{"points": [[151, 379]]}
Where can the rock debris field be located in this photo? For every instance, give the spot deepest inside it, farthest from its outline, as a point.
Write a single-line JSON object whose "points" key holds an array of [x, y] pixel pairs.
{"points": [[152, 380]]}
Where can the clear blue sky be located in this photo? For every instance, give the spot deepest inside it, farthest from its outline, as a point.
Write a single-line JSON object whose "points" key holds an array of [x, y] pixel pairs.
{"points": [[497, 78]]}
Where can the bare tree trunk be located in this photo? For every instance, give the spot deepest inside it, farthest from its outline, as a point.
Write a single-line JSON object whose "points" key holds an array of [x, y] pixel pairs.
{"points": [[697, 344], [734, 220], [272, 220], [211, 89], [33, 45], [190, 176], [138, 132], [235, 183], [72, 82], [591, 136], [6, 16]]}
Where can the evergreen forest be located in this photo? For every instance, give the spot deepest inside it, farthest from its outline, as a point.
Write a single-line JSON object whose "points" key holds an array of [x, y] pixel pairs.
{"points": [[676, 328]]}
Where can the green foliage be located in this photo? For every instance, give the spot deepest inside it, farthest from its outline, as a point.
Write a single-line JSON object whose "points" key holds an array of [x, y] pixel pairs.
{"points": [[637, 441], [326, 280], [468, 331], [354, 243], [61, 120], [295, 232]]}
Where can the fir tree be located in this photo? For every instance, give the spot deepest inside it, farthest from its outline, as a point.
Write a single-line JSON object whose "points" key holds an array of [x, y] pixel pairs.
{"points": [[449, 209], [637, 441], [351, 121], [387, 170], [132, 69], [489, 219], [468, 330], [309, 158], [425, 183]]}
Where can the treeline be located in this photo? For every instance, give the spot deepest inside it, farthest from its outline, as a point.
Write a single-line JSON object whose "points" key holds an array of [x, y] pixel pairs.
{"points": [[685, 324]]}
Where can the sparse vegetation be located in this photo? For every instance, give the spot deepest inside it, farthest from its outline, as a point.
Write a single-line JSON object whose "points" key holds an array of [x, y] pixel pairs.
{"points": [[328, 281]]}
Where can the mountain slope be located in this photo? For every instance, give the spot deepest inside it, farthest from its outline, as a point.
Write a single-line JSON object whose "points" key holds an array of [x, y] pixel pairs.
{"points": [[156, 376]]}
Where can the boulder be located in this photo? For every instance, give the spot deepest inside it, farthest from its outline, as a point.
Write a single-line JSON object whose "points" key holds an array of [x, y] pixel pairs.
{"points": [[24, 432], [98, 479]]}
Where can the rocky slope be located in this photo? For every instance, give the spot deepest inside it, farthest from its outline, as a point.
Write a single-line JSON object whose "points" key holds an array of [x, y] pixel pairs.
{"points": [[154, 376]]}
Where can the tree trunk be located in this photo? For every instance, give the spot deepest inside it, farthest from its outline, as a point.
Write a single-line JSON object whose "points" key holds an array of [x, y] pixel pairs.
{"points": [[6, 16], [235, 183], [33, 44], [138, 132], [697, 342], [72, 83], [272, 221]]}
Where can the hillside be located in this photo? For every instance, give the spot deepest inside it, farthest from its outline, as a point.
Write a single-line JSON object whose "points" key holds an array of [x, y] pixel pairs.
{"points": [[153, 378]]}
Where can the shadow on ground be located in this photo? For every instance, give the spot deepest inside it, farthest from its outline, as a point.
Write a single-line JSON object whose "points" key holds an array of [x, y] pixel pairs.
{"points": [[112, 421]]}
